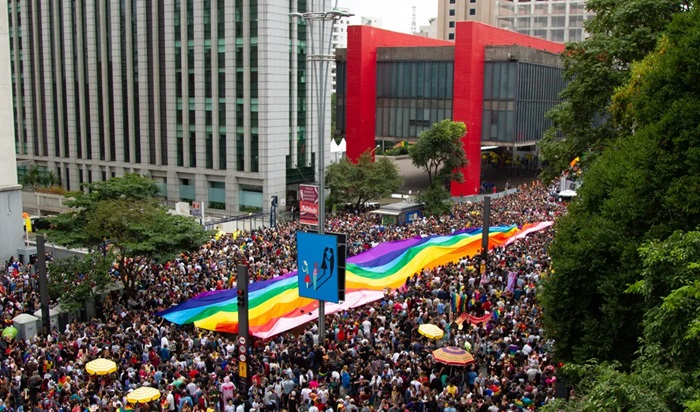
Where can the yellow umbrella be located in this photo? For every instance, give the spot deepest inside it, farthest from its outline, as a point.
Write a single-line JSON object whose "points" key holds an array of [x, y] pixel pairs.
{"points": [[101, 366], [431, 331], [143, 394]]}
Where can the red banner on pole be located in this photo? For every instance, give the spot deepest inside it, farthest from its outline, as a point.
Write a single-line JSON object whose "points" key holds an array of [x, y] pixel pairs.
{"points": [[308, 205]]}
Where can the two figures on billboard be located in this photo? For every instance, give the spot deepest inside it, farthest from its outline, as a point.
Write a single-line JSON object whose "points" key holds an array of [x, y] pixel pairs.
{"points": [[327, 266]]}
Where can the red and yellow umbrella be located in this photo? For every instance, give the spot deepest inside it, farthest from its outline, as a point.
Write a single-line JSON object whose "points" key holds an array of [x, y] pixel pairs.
{"points": [[452, 355]]}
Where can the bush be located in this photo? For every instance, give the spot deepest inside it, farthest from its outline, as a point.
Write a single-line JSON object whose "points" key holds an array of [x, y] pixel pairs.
{"points": [[437, 200]]}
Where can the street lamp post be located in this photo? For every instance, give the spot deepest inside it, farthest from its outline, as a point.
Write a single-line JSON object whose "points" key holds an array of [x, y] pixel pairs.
{"points": [[321, 54], [371, 152]]}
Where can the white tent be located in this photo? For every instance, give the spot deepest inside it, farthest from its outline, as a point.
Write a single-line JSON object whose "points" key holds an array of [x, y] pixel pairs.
{"points": [[567, 193], [338, 148]]}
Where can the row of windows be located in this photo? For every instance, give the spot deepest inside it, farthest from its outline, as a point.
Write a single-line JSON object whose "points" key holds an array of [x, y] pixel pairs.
{"points": [[432, 80], [517, 97], [472, 12]]}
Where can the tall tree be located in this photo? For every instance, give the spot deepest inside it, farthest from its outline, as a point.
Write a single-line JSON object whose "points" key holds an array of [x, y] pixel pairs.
{"points": [[645, 186], [621, 32], [362, 181], [439, 150], [76, 280], [139, 229]]}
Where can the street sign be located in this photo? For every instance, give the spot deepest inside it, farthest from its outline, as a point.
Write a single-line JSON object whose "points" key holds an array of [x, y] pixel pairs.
{"points": [[196, 209], [243, 370], [242, 358]]}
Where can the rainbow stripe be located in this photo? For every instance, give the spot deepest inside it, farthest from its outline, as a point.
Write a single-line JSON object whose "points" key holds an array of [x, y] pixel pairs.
{"points": [[275, 305]]}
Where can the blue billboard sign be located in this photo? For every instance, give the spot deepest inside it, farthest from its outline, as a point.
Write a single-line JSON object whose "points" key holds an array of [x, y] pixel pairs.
{"points": [[319, 267]]}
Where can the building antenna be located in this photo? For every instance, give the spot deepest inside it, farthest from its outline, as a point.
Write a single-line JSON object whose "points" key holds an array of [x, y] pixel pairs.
{"points": [[414, 30]]}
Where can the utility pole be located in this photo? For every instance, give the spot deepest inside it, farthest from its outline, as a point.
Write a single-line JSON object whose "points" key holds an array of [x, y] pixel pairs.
{"points": [[243, 333], [43, 284], [321, 54]]}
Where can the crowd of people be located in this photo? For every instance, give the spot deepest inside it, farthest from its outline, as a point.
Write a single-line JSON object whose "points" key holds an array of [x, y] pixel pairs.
{"points": [[371, 359]]}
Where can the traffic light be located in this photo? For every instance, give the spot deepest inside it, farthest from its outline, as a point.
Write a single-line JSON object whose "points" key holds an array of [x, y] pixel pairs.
{"points": [[242, 301]]}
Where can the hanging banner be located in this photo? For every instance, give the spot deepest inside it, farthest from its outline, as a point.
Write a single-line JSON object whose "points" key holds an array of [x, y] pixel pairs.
{"points": [[308, 205]]}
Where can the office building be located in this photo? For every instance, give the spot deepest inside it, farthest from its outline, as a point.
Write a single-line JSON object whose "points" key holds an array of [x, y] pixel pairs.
{"points": [[371, 21], [10, 195], [339, 40], [429, 30], [555, 20], [392, 86], [208, 97]]}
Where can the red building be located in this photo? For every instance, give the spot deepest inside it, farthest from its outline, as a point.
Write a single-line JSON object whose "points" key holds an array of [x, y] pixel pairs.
{"points": [[394, 85]]}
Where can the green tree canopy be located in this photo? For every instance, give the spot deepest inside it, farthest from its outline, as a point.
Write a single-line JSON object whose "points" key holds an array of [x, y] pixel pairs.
{"points": [[124, 212], [440, 151], [360, 182], [621, 32], [76, 280], [642, 188]]}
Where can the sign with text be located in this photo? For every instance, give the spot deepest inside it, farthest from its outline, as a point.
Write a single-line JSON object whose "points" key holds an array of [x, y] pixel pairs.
{"points": [[197, 209], [321, 266], [308, 205]]}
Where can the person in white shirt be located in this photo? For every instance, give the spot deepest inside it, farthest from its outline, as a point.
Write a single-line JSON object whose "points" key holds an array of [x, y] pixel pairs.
{"points": [[367, 327]]}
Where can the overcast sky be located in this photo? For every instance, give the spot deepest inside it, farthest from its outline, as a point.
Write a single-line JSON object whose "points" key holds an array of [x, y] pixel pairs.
{"points": [[395, 14]]}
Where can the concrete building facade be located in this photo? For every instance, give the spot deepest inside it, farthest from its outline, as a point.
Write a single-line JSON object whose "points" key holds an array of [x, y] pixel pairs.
{"points": [[392, 86], [560, 21], [452, 11], [339, 40], [10, 192], [208, 97], [430, 30]]}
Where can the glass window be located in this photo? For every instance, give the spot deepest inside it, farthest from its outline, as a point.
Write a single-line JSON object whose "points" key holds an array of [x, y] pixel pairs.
{"points": [[240, 153], [575, 21], [209, 150], [220, 20], [451, 36], [190, 20], [452, 12], [451, 24], [472, 12], [180, 149], [577, 8], [222, 85], [575, 35], [207, 19], [222, 151], [222, 114], [254, 160], [193, 150], [557, 35]]}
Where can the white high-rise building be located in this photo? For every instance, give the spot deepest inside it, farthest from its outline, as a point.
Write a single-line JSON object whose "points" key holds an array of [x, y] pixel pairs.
{"points": [[431, 30], [371, 21], [554, 20], [10, 192], [208, 97], [339, 41]]}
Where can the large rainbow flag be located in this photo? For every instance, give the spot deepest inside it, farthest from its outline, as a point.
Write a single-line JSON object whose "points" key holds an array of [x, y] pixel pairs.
{"points": [[275, 305]]}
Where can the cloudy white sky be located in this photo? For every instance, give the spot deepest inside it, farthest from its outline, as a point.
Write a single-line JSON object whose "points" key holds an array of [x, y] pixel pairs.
{"points": [[395, 14]]}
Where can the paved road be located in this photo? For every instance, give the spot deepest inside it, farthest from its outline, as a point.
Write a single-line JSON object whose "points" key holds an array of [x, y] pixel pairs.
{"points": [[416, 179]]}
